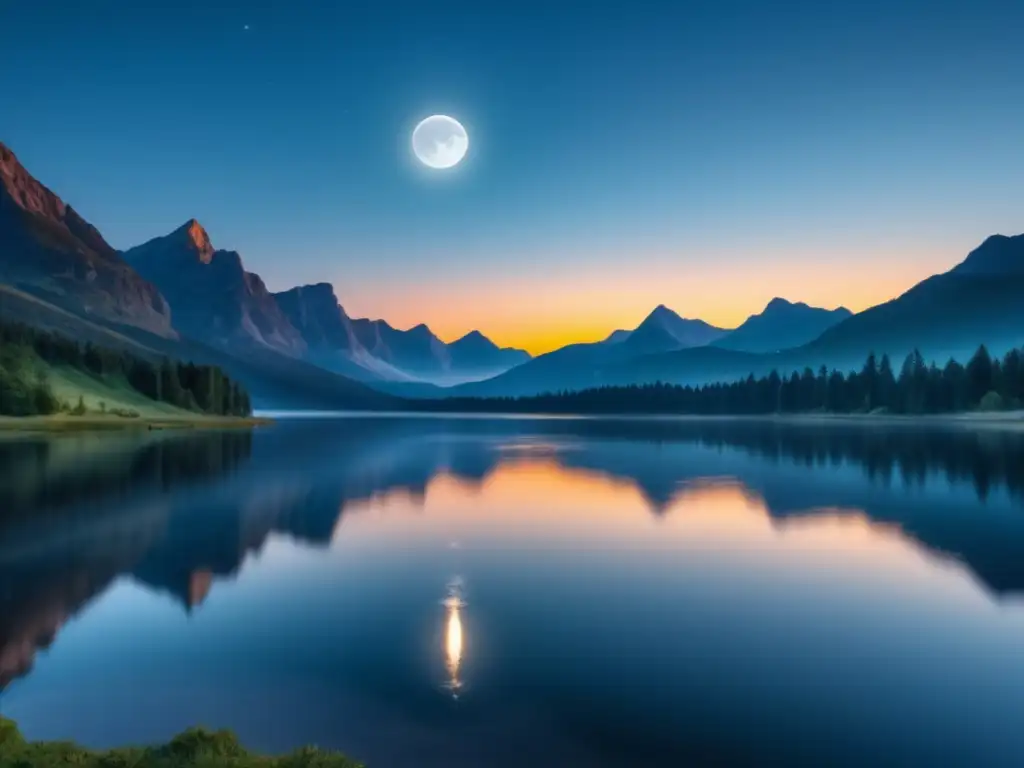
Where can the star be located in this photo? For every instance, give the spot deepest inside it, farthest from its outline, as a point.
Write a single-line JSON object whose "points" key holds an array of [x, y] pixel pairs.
{"points": [[246, 27]]}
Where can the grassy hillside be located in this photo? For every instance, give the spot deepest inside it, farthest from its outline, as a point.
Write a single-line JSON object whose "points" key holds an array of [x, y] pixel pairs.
{"points": [[104, 394], [273, 380], [45, 374]]}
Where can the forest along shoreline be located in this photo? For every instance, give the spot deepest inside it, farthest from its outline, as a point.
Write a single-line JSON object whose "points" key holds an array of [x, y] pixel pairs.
{"points": [[49, 382], [986, 390]]}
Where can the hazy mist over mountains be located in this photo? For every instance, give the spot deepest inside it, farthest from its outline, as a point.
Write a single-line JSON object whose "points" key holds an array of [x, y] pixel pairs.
{"points": [[179, 295]]}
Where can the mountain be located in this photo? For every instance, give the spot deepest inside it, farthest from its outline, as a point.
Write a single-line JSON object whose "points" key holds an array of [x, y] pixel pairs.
{"points": [[58, 273], [782, 325], [979, 301], [474, 355], [329, 336], [213, 298], [274, 380], [314, 311], [424, 357], [616, 337], [376, 352], [998, 256], [663, 330], [577, 366], [416, 351], [48, 249]]}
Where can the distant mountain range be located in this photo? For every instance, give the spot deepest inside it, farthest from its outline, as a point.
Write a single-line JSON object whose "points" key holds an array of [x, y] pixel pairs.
{"points": [[980, 301], [662, 333], [579, 365], [57, 270], [216, 301], [420, 353], [58, 273], [177, 295]]}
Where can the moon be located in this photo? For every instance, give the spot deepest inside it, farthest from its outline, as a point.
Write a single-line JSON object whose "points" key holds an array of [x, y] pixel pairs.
{"points": [[440, 141]]}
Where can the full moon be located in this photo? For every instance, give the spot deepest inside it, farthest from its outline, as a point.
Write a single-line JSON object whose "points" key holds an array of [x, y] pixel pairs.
{"points": [[440, 141]]}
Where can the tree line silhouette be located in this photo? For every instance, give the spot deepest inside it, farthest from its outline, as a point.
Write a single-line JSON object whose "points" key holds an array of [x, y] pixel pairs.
{"points": [[25, 389], [984, 383]]}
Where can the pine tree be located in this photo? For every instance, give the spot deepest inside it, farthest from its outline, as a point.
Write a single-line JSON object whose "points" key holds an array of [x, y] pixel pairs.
{"points": [[1013, 379], [979, 376], [887, 390], [171, 390], [869, 383]]}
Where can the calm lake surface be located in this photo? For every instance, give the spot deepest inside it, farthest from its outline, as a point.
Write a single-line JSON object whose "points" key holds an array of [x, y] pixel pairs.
{"points": [[508, 592]]}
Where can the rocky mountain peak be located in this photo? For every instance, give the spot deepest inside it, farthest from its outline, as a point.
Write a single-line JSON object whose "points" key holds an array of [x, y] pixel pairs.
{"points": [[26, 192], [196, 239]]}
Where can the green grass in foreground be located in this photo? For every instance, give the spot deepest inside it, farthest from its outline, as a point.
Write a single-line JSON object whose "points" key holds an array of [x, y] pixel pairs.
{"points": [[195, 748], [106, 393], [103, 398]]}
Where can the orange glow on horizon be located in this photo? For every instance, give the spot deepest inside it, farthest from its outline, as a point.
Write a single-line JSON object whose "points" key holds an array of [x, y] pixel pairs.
{"points": [[542, 315]]}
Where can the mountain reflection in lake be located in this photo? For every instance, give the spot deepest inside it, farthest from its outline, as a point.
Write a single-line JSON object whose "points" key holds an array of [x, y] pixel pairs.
{"points": [[612, 592]]}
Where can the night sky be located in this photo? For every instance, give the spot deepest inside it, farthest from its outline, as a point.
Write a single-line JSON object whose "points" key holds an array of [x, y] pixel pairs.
{"points": [[707, 156]]}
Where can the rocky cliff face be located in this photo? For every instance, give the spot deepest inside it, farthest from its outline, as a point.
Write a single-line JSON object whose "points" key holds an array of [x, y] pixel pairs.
{"points": [[213, 298], [317, 315], [416, 351], [46, 247], [330, 338]]}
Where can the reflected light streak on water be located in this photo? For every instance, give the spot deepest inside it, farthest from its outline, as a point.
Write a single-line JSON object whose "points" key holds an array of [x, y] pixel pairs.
{"points": [[453, 640]]}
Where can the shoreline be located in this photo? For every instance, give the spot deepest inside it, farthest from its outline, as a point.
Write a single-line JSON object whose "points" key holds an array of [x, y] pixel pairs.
{"points": [[1010, 418], [991, 420], [1007, 420], [988, 420], [66, 423]]}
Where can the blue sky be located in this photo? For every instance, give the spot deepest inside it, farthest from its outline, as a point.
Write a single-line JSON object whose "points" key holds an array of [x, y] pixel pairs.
{"points": [[708, 156]]}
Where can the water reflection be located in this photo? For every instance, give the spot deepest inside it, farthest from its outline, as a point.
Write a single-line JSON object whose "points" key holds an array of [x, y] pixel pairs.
{"points": [[635, 515], [79, 511], [453, 604], [40, 475]]}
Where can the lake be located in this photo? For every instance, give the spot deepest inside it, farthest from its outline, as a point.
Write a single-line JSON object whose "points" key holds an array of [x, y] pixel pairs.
{"points": [[507, 592]]}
